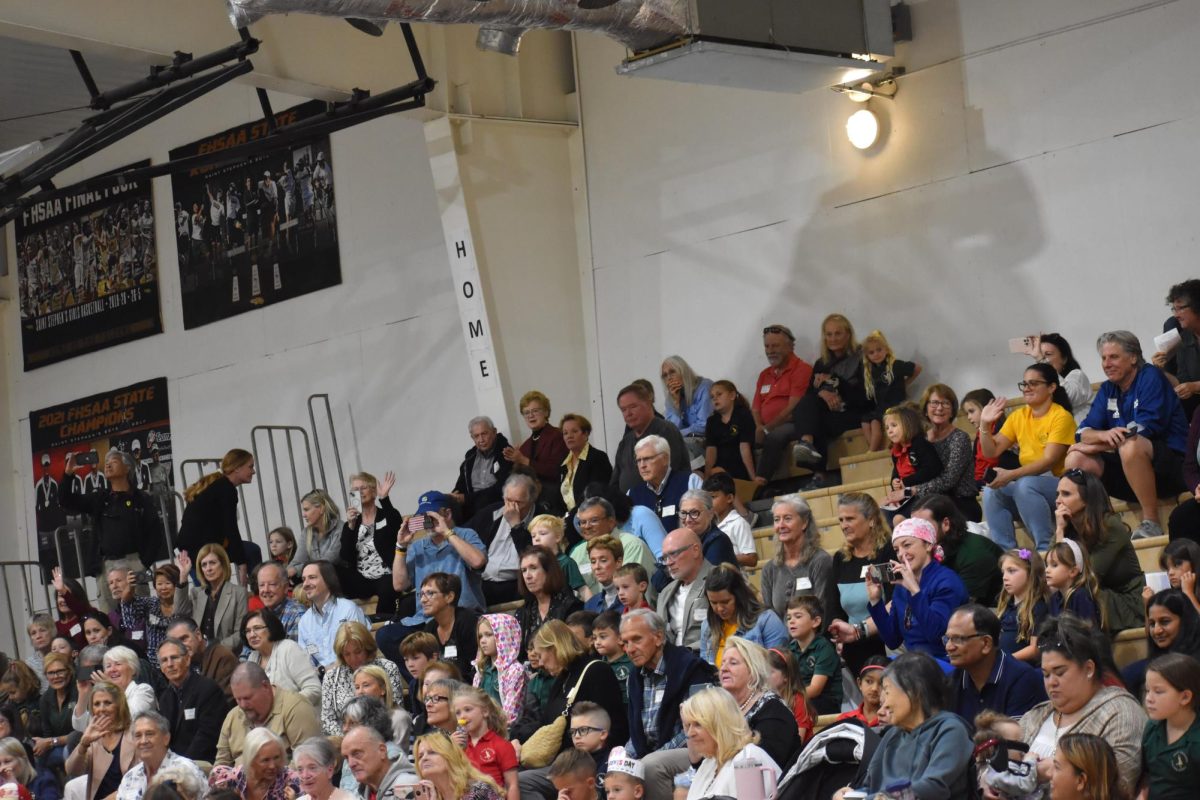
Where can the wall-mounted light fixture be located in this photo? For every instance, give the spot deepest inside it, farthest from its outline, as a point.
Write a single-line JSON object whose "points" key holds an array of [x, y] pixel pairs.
{"points": [[862, 128]]}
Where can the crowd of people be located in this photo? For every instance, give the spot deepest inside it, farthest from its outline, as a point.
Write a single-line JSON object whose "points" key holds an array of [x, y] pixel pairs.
{"points": [[567, 625]]}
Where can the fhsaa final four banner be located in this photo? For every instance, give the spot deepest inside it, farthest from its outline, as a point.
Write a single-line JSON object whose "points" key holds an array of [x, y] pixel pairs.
{"points": [[258, 231]]}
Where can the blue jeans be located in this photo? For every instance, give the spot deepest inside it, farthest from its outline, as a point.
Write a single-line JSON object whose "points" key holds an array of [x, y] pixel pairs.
{"points": [[1031, 498]]}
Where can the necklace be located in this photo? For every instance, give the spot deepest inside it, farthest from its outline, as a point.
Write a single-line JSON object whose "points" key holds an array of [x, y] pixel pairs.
{"points": [[743, 707]]}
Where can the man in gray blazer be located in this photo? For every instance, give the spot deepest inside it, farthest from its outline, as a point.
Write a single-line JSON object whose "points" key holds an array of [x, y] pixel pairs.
{"points": [[683, 604]]}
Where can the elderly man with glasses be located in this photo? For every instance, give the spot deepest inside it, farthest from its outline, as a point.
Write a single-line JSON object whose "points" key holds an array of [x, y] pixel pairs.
{"points": [[986, 677], [776, 394], [596, 518], [661, 487], [683, 604]]}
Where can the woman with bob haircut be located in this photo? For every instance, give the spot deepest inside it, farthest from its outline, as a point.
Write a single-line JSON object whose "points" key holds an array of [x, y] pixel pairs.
{"points": [[565, 661], [718, 733], [583, 463], [1076, 664], [217, 605], [14, 763], [315, 761], [448, 775], [746, 674], [735, 610], [925, 744], [543, 452], [321, 539], [354, 647], [543, 584], [120, 666], [263, 773], [285, 663]]}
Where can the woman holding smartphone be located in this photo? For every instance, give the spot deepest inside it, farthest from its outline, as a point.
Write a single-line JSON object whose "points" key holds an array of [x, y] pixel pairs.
{"points": [[372, 523]]}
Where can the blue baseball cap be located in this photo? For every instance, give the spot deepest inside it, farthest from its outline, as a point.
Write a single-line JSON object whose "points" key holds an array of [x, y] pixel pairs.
{"points": [[432, 501]]}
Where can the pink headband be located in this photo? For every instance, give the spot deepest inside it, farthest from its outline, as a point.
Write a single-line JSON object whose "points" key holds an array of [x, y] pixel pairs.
{"points": [[917, 528]]}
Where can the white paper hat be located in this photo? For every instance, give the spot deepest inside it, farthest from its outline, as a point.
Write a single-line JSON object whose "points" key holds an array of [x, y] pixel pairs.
{"points": [[619, 761]]}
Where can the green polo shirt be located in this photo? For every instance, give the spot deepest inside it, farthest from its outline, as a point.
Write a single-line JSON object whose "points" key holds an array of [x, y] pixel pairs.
{"points": [[977, 562], [1172, 770], [820, 658], [621, 668]]}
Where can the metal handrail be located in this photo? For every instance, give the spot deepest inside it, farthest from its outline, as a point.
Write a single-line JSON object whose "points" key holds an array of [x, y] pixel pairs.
{"points": [[19, 641], [288, 431], [337, 454]]}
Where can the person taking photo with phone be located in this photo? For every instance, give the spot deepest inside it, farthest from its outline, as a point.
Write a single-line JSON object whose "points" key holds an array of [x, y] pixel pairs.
{"points": [[443, 548]]}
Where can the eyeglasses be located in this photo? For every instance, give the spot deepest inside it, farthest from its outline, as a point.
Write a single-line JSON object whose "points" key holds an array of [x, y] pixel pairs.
{"points": [[255, 628], [532, 411], [693, 514], [427, 594], [433, 699], [584, 730], [959, 641], [648, 459], [56, 673], [1023, 385], [1178, 308], [590, 523], [671, 555], [940, 404]]}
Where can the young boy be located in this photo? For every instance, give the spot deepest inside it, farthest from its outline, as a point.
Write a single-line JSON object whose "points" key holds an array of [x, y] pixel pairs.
{"points": [[817, 660], [606, 641], [626, 778], [547, 531], [580, 623], [590, 725], [732, 524], [632, 582], [573, 774], [418, 650], [605, 554]]}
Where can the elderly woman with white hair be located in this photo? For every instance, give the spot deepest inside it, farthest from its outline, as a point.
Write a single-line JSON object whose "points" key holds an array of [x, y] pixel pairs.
{"points": [[800, 566], [120, 667], [719, 734], [263, 773], [315, 760], [746, 674]]}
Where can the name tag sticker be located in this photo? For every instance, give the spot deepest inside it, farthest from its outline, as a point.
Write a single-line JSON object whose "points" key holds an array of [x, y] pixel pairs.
{"points": [[658, 695], [75, 630], [585, 569], [312, 649], [863, 575], [138, 635], [1112, 404], [699, 614], [668, 511], [189, 713], [450, 651], [381, 524], [496, 514], [154, 620], [802, 584], [766, 389], [495, 467]]}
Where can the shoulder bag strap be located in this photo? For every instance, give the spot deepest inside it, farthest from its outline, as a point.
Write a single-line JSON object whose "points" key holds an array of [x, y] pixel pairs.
{"points": [[575, 691]]}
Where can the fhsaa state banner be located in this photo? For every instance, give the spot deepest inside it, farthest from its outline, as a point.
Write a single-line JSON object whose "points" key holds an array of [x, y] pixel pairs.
{"points": [[87, 271], [257, 231]]}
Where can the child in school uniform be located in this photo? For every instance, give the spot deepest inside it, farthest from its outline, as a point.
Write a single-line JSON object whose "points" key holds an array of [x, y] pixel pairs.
{"points": [[817, 660]]}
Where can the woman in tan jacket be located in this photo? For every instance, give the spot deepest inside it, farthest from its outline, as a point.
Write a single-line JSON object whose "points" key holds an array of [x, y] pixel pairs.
{"points": [[106, 750]]}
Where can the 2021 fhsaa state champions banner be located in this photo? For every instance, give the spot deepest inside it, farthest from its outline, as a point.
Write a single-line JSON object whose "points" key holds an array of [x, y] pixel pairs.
{"points": [[87, 271], [257, 231]]}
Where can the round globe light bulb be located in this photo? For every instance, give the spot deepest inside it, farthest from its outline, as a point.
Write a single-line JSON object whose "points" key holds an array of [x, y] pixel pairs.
{"points": [[862, 128]]}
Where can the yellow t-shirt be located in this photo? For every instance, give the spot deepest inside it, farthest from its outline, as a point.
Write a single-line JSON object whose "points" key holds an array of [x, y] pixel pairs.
{"points": [[1031, 434], [729, 629]]}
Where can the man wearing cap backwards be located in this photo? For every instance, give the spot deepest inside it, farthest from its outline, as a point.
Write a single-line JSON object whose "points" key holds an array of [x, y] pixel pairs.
{"points": [[457, 551], [925, 595], [128, 531]]}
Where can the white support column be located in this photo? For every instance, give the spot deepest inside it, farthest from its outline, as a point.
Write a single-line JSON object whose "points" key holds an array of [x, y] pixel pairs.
{"points": [[468, 288]]}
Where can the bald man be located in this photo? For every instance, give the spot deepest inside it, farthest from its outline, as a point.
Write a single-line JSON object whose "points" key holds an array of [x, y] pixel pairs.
{"points": [[683, 604]]}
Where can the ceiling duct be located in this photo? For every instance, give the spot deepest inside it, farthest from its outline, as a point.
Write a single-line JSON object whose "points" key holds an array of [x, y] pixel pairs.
{"points": [[640, 25]]}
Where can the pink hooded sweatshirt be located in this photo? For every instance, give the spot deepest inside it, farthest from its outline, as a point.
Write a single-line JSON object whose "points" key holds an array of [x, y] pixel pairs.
{"points": [[509, 670]]}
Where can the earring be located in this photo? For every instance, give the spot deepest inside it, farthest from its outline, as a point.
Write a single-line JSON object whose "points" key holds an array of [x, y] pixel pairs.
{"points": [[1089, 676]]}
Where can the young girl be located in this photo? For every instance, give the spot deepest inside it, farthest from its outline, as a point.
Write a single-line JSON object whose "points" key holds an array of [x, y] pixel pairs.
{"points": [[870, 684], [886, 380], [497, 670], [548, 532], [914, 461], [1170, 767], [1072, 583], [992, 729], [985, 468], [482, 732], [1022, 606], [786, 682], [729, 434], [281, 543], [1179, 559]]}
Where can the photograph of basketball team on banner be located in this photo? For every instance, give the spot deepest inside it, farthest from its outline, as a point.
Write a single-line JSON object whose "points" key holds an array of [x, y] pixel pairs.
{"points": [[87, 271], [258, 231]]}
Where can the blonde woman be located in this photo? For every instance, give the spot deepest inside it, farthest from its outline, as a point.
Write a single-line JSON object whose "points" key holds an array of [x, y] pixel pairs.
{"points": [[263, 773], [368, 539], [321, 538], [717, 732], [217, 605], [211, 514], [120, 666], [446, 774], [106, 750], [865, 540], [353, 647], [373, 681]]}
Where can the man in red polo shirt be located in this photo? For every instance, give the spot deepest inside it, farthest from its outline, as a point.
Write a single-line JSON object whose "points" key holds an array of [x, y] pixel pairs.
{"points": [[780, 387]]}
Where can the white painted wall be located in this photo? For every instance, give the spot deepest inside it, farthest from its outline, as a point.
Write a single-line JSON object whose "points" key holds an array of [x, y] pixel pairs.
{"points": [[1046, 181]]}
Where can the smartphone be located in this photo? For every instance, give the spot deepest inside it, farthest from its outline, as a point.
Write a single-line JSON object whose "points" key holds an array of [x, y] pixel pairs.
{"points": [[883, 573], [356, 500], [83, 459], [421, 522]]}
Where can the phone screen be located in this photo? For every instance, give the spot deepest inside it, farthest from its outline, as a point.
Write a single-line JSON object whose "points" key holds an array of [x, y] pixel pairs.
{"points": [[356, 499]]}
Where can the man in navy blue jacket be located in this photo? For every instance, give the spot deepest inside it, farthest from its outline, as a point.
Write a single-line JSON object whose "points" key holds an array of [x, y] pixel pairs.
{"points": [[664, 676], [984, 675], [1134, 436]]}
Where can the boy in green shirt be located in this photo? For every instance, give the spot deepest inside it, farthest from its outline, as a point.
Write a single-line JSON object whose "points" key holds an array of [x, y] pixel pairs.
{"points": [[606, 641], [817, 660]]}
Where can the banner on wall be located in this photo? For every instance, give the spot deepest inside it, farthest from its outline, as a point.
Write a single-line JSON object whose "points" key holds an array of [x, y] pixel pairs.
{"points": [[134, 419], [87, 271], [258, 231]]}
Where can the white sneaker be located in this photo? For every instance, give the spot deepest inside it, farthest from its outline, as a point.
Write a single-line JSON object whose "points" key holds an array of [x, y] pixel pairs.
{"points": [[805, 453], [1147, 530]]}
